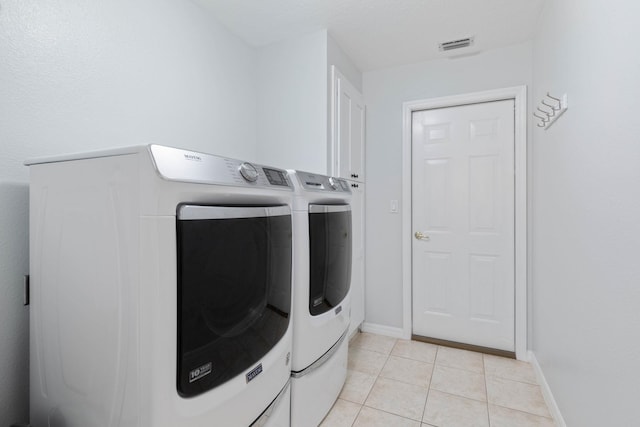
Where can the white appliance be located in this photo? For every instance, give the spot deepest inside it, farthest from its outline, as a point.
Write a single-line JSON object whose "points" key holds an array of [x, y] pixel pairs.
{"points": [[160, 290], [322, 275]]}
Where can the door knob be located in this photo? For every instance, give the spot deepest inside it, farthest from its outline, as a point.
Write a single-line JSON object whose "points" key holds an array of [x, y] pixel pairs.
{"points": [[421, 236]]}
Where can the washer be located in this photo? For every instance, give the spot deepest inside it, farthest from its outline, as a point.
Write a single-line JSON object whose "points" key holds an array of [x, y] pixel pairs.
{"points": [[321, 310], [160, 290]]}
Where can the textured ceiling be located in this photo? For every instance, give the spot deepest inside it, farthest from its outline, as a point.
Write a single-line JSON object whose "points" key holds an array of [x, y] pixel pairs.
{"points": [[382, 33]]}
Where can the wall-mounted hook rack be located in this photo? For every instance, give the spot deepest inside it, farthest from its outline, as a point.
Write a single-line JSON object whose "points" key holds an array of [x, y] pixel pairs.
{"points": [[550, 110]]}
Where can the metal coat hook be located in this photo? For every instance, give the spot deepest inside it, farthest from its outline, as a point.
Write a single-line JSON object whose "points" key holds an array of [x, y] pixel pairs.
{"points": [[549, 114], [550, 110], [558, 100], [553, 107], [543, 122]]}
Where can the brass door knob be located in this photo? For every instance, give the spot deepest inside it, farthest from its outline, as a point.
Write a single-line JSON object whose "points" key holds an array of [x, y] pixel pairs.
{"points": [[421, 236]]}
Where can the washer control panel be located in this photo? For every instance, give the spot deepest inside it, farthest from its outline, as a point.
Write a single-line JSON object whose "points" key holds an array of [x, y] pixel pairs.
{"points": [[315, 182], [175, 164], [249, 172]]}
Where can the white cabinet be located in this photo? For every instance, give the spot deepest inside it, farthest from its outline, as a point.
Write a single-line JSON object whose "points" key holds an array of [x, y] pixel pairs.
{"points": [[347, 161], [348, 121]]}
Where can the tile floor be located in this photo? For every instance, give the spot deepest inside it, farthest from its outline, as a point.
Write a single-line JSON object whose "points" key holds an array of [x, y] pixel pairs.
{"points": [[398, 383]]}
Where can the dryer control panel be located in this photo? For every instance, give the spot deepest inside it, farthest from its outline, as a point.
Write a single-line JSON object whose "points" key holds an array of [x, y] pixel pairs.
{"points": [[315, 182], [175, 164]]}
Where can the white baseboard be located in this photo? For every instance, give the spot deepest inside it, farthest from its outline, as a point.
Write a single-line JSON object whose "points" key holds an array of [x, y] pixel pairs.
{"points": [[546, 391], [388, 331]]}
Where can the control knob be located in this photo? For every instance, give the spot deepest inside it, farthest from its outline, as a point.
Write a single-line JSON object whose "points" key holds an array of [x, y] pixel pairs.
{"points": [[333, 183], [248, 172]]}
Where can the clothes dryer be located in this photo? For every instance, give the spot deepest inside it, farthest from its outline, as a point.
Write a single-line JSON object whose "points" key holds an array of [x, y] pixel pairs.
{"points": [[160, 290], [322, 276]]}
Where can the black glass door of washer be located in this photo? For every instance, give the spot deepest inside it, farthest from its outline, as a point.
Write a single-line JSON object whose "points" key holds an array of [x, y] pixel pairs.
{"points": [[234, 290], [330, 254]]}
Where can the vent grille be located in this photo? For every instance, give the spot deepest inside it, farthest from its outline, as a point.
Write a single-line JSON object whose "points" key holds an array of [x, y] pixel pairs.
{"points": [[455, 44]]}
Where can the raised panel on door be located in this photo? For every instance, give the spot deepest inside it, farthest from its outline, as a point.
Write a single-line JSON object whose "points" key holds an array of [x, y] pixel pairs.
{"points": [[344, 131], [357, 157], [463, 217], [348, 118]]}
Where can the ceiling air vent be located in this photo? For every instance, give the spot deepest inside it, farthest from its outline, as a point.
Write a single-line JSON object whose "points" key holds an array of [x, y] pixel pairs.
{"points": [[455, 44]]}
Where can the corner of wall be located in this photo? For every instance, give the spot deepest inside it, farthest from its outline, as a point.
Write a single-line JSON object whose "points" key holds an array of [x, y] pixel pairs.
{"points": [[546, 391]]}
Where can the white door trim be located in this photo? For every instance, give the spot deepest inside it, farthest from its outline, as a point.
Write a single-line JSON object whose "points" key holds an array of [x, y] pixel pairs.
{"points": [[519, 95]]}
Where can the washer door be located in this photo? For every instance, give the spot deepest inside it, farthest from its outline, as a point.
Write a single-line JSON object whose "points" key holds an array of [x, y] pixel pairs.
{"points": [[329, 256], [234, 290]]}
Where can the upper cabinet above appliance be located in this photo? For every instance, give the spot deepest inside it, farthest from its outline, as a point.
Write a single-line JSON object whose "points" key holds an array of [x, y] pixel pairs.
{"points": [[347, 128]]}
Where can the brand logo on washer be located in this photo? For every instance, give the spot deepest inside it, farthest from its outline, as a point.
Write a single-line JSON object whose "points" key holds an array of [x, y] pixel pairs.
{"points": [[200, 372], [193, 157], [254, 372]]}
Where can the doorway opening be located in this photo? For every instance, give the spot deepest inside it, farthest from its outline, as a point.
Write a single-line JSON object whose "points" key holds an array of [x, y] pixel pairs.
{"points": [[490, 228]]}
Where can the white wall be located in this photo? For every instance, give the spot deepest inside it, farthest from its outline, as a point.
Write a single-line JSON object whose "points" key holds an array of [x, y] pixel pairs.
{"points": [[338, 57], [385, 91], [292, 103], [294, 100], [86, 74], [586, 211]]}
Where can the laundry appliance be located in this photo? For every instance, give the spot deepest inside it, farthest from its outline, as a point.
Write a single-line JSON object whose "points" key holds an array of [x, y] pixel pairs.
{"points": [[160, 290], [321, 310]]}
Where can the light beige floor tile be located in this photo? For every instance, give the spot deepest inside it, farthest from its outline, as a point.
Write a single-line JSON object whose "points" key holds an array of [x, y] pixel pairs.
{"points": [[415, 350], [373, 342], [509, 369], [458, 391], [459, 382], [366, 361], [503, 417], [370, 417], [343, 414], [516, 395], [357, 386], [406, 400], [447, 410], [460, 359], [407, 371]]}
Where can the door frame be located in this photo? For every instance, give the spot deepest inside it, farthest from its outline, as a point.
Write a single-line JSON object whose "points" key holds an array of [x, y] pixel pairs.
{"points": [[519, 95]]}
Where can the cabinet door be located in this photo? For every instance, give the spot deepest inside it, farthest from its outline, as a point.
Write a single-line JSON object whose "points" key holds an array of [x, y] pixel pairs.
{"points": [[348, 121], [357, 268]]}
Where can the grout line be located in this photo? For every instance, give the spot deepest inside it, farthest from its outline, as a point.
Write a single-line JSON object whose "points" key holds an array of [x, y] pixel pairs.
{"points": [[461, 369], [365, 399], [512, 380], [524, 412], [374, 384], [357, 415], [376, 380], [459, 396], [424, 409], [415, 360], [395, 415], [406, 382], [486, 390]]}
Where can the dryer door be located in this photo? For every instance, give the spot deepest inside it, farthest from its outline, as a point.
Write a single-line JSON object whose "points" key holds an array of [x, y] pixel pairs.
{"points": [[234, 290], [329, 256]]}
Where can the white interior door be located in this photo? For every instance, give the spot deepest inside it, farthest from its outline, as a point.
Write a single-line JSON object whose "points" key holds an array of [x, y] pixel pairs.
{"points": [[463, 224]]}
